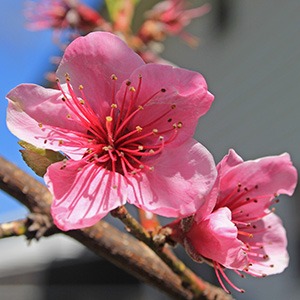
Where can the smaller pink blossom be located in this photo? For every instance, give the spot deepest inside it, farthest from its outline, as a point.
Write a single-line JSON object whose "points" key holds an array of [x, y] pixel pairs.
{"points": [[237, 228], [170, 17], [61, 14]]}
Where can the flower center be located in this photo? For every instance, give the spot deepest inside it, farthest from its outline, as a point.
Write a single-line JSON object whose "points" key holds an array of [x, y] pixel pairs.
{"points": [[116, 142]]}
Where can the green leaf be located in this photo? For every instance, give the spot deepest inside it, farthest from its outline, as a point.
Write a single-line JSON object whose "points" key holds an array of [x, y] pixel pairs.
{"points": [[113, 6], [39, 159]]}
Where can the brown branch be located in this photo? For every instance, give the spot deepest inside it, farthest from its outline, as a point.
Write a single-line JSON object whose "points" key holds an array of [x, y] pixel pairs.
{"points": [[105, 240], [15, 228]]}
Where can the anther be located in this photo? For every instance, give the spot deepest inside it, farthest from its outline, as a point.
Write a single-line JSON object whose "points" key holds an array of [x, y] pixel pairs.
{"points": [[151, 168], [155, 131], [69, 116], [173, 106], [63, 99], [256, 186], [81, 101], [108, 119], [275, 195], [40, 125], [79, 169], [140, 147], [140, 76], [141, 166], [271, 266], [114, 186], [179, 125], [45, 141], [133, 172], [161, 138], [132, 89], [163, 90], [141, 107], [113, 77], [57, 80], [81, 87], [114, 105], [128, 83], [151, 151], [174, 125], [61, 142], [139, 129], [170, 120]]}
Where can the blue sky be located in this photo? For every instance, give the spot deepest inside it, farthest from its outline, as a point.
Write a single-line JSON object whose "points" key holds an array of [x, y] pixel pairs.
{"points": [[24, 58]]}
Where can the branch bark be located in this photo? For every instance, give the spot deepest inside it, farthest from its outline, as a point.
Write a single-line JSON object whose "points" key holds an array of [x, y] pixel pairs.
{"points": [[119, 248]]}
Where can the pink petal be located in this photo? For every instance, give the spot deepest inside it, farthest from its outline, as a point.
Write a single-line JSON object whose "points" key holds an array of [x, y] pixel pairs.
{"points": [[91, 60], [83, 193], [263, 178], [270, 233], [31, 105], [185, 89], [215, 238], [229, 161], [179, 184]]}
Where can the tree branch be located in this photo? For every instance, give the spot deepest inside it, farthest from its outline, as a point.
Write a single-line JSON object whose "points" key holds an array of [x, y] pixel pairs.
{"points": [[119, 248]]}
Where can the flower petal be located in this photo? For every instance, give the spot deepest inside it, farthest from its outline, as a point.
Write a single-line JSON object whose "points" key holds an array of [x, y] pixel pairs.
{"points": [[270, 233], [91, 60], [179, 184], [215, 238], [83, 193], [260, 179], [33, 111], [229, 161], [185, 90]]}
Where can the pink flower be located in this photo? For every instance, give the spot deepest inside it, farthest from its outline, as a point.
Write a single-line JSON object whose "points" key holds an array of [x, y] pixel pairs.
{"points": [[61, 14], [170, 17], [127, 136], [237, 229]]}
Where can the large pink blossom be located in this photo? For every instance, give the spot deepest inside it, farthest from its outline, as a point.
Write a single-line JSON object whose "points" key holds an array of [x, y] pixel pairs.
{"points": [[126, 129], [237, 229]]}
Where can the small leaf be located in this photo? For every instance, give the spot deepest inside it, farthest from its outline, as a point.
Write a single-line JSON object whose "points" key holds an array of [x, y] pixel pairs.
{"points": [[39, 159], [115, 6]]}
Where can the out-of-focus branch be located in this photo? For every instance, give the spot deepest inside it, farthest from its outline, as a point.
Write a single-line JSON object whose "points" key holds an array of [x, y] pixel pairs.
{"points": [[15, 228], [119, 248]]}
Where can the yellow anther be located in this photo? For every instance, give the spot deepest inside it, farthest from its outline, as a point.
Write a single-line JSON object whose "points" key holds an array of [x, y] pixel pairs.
{"points": [[133, 172], [89, 151], [96, 155], [132, 89], [161, 138], [140, 147], [68, 116], [138, 128], [151, 168], [81, 101], [115, 186], [81, 87], [151, 151], [79, 169], [141, 166], [155, 131], [65, 160], [140, 76], [105, 148], [57, 80], [40, 125], [141, 107], [67, 75], [173, 106], [122, 153], [114, 105], [61, 142], [89, 141], [110, 147], [174, 125], [179, 125], [113, 77], [68, 78], [108, 118], [63, 99]]}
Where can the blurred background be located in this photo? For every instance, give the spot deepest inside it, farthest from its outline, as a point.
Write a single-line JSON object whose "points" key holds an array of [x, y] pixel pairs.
{"points": [[249, 53]]}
